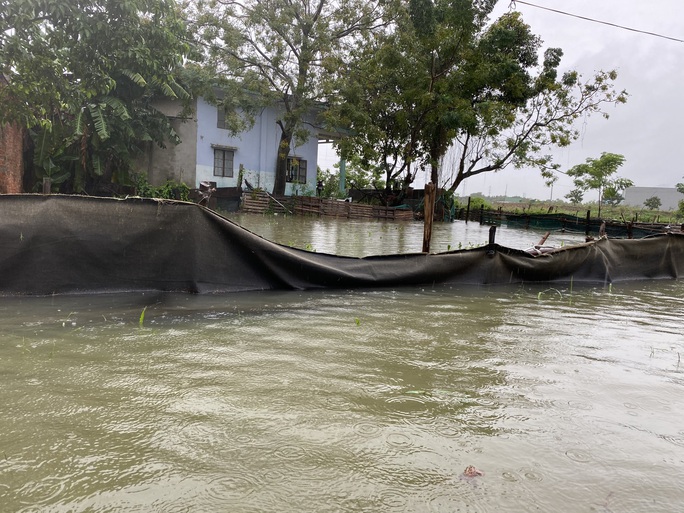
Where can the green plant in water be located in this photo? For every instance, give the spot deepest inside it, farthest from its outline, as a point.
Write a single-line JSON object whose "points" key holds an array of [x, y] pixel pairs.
{"points": [[541, 293], [64, 322], [418, 392], [23, 346], [357, 321], [142, 317]]}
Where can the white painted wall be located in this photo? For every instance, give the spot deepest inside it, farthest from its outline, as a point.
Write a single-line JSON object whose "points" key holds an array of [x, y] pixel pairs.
{"points": [[255, 149]]}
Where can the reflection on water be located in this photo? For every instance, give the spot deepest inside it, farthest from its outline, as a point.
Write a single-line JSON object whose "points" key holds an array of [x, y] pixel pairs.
{"points": [[369, 237], [355, 401]]}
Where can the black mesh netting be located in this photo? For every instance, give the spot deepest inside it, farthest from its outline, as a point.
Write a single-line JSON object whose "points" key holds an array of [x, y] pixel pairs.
{"points": [[73, 244]]}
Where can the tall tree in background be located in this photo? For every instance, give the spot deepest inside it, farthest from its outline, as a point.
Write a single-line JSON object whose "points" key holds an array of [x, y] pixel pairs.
{"points": [[446, 81], [281, 50], [81, 76], [398, 93]]}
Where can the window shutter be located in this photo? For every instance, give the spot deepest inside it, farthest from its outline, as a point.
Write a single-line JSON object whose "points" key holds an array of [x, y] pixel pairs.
{"points": [[220, 117], [302, 171]]}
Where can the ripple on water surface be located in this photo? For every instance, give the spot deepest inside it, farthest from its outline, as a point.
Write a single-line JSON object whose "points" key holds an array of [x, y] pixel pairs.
{"points": [[325, 401]]}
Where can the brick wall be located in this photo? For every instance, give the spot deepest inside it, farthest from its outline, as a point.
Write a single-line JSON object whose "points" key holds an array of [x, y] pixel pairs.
{"points": [[11, 159]]}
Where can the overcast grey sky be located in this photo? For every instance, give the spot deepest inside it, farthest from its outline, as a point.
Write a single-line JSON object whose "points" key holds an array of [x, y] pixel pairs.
{"points": [[647, 130]]}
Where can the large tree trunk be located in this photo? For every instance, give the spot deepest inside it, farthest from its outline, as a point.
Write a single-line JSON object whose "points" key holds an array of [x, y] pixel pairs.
{"points": [[434, 173], [281, 164], [12, 139], [457, 182], [461, 170], [437, 150]]}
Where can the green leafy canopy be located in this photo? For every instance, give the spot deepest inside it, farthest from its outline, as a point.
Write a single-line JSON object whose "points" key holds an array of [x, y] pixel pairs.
{"points": [[87, 72], [445, 89], [282, 53]]}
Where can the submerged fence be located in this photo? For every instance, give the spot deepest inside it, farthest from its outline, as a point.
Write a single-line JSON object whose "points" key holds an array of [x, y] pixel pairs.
{"points": [[261, 202]]}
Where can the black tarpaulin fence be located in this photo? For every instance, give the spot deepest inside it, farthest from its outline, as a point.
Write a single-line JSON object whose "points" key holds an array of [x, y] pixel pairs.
{"points": [[75, 244]]}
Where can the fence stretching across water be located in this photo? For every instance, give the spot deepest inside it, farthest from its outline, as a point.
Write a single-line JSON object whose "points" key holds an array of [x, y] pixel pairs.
{"points": [[259, 202]]}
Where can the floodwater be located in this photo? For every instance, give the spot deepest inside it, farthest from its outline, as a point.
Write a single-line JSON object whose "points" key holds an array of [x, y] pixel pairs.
{"points": [[363, 237], [567, 400]]}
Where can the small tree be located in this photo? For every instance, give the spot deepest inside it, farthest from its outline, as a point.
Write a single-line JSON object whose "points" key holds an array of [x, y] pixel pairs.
{"points": [[575, 196], [653, 203], [356, 178], [680, 187], [597, 174], [612, 194]]}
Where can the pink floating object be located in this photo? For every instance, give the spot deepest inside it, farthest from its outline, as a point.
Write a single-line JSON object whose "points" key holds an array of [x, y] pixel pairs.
{"points": [[471, 471]]}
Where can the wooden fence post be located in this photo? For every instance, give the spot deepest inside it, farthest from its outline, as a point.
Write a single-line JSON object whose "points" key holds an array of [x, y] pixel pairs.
{"points": [[588, 227], [429, 209]]}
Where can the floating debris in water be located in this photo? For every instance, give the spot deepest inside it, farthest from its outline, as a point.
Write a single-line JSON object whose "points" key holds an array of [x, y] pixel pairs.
{"points": [[471, 471]]}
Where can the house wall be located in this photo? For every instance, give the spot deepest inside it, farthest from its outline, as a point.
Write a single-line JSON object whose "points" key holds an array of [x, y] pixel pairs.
{"points": [[175, 162], [669, 197], [255, 149], [11, 159]]}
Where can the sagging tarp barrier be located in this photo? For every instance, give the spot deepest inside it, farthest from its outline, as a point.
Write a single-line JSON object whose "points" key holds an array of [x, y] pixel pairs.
{"points": [[74, 244]]}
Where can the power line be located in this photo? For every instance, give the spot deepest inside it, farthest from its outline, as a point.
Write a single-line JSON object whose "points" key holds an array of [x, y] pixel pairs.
{"points": [[513, 2]]}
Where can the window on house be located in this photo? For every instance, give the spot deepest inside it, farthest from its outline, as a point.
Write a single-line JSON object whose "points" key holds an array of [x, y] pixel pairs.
{"points": [[296, 170], [221, 117], [223, 162]]}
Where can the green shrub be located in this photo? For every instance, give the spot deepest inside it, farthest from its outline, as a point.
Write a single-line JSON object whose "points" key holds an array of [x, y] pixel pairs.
{"points": [[169, 190]]}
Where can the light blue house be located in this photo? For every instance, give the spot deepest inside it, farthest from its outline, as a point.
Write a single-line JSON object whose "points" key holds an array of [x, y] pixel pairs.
{"points": [[208, 153]]}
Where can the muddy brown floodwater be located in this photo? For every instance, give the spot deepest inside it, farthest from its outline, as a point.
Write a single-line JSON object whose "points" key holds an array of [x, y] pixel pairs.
{"points": [[346, 401]]}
